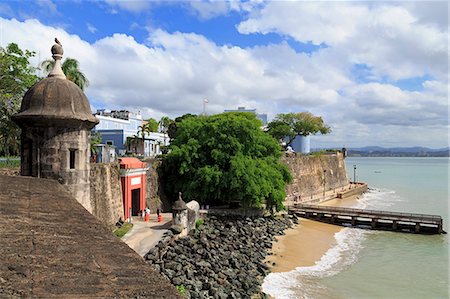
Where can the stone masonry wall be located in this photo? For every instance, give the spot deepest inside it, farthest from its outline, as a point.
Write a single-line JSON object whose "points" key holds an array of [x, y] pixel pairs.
{"points": [[308, 173], [155, 196], [106, 193]]}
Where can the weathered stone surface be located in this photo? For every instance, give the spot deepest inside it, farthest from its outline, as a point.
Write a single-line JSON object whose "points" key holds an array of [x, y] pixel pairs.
{"points": [[55, 100], [307, 174], [53, 248], [154, 192], [106, 193]]}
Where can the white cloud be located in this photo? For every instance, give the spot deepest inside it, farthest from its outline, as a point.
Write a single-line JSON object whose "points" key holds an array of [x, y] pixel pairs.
{"points": [[91, 28], [396, 42], [48, 6], [172, 73], [134, 6], [208, 9]]}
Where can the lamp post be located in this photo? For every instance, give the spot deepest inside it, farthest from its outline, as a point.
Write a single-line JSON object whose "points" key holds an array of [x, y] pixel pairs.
{"points": [[324, 172], [205, 101], [354, 174]]}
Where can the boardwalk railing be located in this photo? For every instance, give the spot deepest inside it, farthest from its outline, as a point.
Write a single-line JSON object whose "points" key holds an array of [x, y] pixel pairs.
{"points": [[383, 220]]}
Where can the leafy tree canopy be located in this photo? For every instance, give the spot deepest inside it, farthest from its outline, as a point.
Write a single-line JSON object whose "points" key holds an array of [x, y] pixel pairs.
{"points": [[172, 130], [16, 77], [292, 124], [151, 125], [225, 158]]}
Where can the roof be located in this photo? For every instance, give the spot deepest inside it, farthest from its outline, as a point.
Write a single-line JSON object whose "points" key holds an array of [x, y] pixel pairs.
{"points": [[129, 162], [55, 100], [53, 248]]}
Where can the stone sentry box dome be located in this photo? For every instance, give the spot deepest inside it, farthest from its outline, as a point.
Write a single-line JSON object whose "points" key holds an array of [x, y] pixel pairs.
{"points": [[56, 121]]}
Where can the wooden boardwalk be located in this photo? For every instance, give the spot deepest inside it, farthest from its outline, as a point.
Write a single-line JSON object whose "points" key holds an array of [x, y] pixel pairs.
{"points": [[373, 219]]}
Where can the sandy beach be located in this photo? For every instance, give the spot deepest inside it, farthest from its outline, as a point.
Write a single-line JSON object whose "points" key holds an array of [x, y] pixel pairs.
{"points": [[306, 243]]}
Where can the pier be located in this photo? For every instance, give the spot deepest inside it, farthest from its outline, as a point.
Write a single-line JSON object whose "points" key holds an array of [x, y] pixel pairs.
{"points": [[371, 219]]}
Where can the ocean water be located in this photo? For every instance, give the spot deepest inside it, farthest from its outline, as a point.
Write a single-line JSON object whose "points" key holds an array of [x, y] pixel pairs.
{"points": [[378, 264]]}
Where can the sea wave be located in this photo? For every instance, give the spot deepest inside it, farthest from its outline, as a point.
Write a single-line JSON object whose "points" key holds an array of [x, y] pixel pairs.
{"points": [[378, 198], [300, 283], [304, 282]]}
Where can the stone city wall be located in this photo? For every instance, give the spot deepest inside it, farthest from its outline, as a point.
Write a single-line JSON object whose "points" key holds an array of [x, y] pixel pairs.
{"points": [[106, 193], [308, 174], [154, 193]]}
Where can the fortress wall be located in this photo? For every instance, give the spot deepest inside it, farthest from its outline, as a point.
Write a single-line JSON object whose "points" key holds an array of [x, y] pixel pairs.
{"points": [[308, 174], [106, 193], [155, 196]]}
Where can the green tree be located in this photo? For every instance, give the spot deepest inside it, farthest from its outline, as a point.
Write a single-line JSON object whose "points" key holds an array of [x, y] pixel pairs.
{"points": [[172, 129], [71, 68], [225, 158], [16, 77], [151, 125], [164, 125], [290, 125], [96, 138]]}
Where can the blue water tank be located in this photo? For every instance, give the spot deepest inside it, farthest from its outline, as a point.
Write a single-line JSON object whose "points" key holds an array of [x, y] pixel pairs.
{"points": [[301, 144]]}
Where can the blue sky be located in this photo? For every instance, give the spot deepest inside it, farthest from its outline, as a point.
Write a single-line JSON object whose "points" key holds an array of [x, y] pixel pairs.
{"points": [[376, 72]]}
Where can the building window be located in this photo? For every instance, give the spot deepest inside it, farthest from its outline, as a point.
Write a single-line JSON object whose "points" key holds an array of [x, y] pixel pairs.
{"points": [[109, 142], [72, 159]]}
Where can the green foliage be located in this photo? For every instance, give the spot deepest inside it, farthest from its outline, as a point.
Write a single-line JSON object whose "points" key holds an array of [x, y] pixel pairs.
{"points": [[164, 124], [16, 77], [292, 124], [71, 68], [120, 232], [199, 223], [225, 158], [173, 126], [151, 125], [181, 289], [96, 138], [9, 162]]}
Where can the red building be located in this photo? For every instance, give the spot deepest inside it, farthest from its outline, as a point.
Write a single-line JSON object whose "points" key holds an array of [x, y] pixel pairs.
{"points": [[133, 179]]}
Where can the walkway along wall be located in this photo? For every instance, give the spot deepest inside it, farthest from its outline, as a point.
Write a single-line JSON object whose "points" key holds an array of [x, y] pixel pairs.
{"points": [[308, 174]]}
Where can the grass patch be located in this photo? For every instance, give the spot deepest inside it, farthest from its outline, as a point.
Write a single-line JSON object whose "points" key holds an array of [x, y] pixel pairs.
{"points": [[9, 162], [120, 232]]}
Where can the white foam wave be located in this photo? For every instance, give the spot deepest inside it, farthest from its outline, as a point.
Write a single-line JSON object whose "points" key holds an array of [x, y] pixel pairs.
{"points": [[299, 283], [378, 199], [303, 283]]}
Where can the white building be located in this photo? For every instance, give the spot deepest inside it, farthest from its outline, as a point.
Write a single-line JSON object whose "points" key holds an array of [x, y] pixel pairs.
{"points": [[121, 129]]}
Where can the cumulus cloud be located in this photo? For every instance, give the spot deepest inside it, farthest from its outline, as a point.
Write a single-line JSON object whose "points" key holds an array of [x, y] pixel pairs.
{"points": [[396, 42], [171, 73]]}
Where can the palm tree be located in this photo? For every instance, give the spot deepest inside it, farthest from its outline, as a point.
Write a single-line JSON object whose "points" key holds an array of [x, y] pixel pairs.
{"points": [[71, 68], [164, 124]]}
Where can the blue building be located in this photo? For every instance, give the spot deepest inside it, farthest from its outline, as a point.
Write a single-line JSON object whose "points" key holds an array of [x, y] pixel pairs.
{"points": [[116, 127], [262, 117]]}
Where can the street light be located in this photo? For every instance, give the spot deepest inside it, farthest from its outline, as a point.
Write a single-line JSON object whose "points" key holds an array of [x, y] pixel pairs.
{"points": [[205, 101], [354, 174], [324, 172]]}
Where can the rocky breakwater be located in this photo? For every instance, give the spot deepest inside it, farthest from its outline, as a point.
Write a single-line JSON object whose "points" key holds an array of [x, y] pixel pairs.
{"points": [[223, 258]]}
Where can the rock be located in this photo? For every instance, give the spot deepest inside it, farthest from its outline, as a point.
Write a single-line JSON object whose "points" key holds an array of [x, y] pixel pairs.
{"points": [[177, 280], [176, 229], [203, 264], [224, 259]]}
